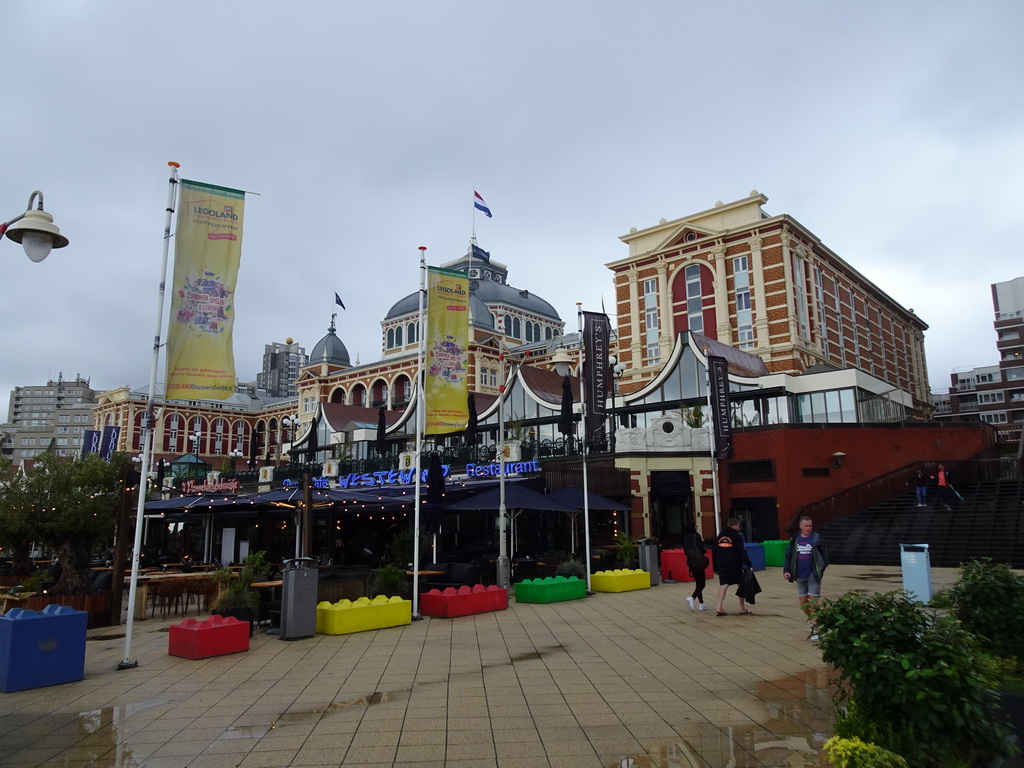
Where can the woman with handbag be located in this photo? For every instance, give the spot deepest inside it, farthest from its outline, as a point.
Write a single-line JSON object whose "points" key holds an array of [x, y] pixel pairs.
{"points": [[697, 562]]}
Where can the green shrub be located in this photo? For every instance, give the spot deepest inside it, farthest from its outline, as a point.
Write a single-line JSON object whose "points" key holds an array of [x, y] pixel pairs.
{"points": [[911, 680], [571, 567], [988, 599], [854, 753]]}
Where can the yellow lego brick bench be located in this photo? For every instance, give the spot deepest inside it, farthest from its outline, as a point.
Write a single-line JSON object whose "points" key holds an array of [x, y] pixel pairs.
{"points": [[346, 616], [619, 581]]}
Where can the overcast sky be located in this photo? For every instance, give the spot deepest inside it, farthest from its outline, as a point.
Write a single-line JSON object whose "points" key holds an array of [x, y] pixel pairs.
{"points": [[893, 131]]}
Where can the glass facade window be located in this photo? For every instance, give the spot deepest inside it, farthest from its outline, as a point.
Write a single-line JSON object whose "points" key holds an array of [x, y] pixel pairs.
{"points": [[694, 301], [800, 296]]}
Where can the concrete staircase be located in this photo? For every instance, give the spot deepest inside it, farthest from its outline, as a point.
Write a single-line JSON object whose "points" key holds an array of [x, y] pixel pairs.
{"points": [[989, 522]]}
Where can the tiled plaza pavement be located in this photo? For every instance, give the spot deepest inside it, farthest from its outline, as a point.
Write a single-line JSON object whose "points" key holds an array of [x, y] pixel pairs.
{"points": [[594, 682]]}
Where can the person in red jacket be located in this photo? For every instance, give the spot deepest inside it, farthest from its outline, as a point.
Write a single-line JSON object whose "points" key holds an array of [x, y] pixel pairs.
{"points": [[730, 560]]}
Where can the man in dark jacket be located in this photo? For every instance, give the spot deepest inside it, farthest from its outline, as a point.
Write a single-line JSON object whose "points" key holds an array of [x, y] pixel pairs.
{"points": [[805, 562], [730, 560]]}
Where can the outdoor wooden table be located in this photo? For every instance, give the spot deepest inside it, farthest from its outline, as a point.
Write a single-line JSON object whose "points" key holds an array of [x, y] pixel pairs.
{"points": [[12, 601], [273, 586]]}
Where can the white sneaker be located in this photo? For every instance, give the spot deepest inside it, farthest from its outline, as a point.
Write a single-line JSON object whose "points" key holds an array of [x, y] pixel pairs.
{"points": [[690, 601], [814, 638], [703, 607]]}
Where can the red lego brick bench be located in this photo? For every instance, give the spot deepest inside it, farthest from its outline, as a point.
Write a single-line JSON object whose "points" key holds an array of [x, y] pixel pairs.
{"points": [[463, 601], [194, 639]]}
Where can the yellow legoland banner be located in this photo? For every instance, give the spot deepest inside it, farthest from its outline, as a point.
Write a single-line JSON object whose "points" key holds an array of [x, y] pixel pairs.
{"points": [[207, 251], [447, 359]]}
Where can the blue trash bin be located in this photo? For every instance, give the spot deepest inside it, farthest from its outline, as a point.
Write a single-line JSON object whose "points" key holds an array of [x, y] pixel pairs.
{"points": [[40, 648], [756, 554], [917, 572]]}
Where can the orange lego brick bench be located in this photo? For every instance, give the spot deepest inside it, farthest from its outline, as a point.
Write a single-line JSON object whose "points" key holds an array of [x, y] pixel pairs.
{"points": [[216, 636], [463, 601]]}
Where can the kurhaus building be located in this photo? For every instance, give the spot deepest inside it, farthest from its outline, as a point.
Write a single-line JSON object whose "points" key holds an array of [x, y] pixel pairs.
{"points": [[822, 363]]}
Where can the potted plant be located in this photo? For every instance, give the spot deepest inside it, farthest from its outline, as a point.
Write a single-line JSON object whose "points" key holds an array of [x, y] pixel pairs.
{"points": [[571, 567], [627, 549], [389, 580], [236, 597]]}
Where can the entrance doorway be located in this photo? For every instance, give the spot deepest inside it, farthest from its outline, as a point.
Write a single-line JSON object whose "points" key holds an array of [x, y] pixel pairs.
{"points": [[671, 506], [759, 517]]}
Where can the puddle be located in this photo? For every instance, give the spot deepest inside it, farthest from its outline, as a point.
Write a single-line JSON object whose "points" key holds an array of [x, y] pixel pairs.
{"points": [[796, 723]]}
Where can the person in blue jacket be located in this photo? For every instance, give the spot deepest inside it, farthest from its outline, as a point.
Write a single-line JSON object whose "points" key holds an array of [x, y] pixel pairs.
{"points": [[805, 562]]}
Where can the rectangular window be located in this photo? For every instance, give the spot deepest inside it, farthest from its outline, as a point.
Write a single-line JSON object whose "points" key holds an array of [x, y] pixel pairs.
{"points": [[819, 297], [694, 300], [651, 321], [744, 315], [800, 296], [64, 419], [62, 430]]}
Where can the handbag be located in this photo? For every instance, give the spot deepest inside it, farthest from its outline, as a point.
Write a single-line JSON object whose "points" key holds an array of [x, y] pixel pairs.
{"points": [[696, 559]]}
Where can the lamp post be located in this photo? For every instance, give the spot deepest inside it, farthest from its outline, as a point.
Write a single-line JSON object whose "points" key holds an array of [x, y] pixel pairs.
{"points": [[291, 427], [35, 230], [618, 368]]}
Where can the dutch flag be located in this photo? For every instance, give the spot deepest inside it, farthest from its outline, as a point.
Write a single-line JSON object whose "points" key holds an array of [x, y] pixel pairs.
{"points": [[480, 205]]}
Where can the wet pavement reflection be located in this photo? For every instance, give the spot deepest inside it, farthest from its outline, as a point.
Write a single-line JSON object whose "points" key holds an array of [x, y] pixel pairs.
{"points": [[797, 721]]}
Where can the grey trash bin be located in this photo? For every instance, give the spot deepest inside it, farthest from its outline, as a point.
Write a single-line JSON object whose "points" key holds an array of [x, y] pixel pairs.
{"points": [[917, 571], [298, 598], [647, 553]]}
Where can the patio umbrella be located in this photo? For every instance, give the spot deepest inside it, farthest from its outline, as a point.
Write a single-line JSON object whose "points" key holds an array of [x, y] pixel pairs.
{"points": [[471, 425], [254, 449], [314, 440], [566, 419], [517, 499], [382, 426], [435, 493], [574, 496]]}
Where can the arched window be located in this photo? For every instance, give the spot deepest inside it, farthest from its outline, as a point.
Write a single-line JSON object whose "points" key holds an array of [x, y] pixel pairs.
{"points": [[412, 335], [398, 336], [390, 343], [517, 328]]}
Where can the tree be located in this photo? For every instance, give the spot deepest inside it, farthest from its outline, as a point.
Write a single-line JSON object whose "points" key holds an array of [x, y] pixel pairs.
{"points": [[67, 504]]}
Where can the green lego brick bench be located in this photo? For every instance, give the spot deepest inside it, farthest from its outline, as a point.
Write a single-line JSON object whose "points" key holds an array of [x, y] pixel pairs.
{"points": [[552, 589], [620, 580]]}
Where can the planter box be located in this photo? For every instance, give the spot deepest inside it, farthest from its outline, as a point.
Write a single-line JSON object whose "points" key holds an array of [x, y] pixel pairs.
{"points": [[774, 552], [674, 566], [96, 605], [463, 601], [40, 649], [550, 589], [194, 639], [345, 616], [620, 581]]}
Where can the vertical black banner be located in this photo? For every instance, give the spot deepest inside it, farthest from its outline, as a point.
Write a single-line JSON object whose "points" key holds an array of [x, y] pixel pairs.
{"points": [[596, 330], [91, 442], [721, 417], [109, 442]]}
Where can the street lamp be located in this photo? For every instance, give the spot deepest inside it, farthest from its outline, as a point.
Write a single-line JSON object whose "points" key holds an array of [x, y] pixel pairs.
{"points": [[195, 439], [35, 230], [291, 426], [618, 368]]}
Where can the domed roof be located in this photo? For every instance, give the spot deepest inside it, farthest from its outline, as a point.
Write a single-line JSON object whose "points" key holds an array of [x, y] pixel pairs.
{"points": [[479, 314], [493, 292], [330, 349]]}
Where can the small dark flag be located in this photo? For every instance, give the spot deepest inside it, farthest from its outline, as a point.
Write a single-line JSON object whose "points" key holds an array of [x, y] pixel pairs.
{"points": [[338, 301]]}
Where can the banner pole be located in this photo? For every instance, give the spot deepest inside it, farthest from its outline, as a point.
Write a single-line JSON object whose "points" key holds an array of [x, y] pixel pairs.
{"points": [[711, 442], [148, 430], [583, 422], [421, 415]]}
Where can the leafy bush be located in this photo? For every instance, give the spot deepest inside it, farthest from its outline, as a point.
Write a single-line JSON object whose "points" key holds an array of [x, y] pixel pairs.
{"points": [[388, 579], [854, 753], [627, 548], [988, 599], [911, 680], [571, 567]]}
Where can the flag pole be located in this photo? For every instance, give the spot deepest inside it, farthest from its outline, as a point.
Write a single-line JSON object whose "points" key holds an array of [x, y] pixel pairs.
{"points": [[148, 428], [421, 404], [583, 422]]}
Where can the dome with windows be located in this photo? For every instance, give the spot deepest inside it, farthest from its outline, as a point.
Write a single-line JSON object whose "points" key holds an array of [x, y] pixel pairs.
{"points": [[330, 349]]}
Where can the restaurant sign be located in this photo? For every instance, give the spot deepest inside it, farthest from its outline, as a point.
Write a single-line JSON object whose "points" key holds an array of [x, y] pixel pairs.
{"points": [[511, 468], [228, 486]]}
